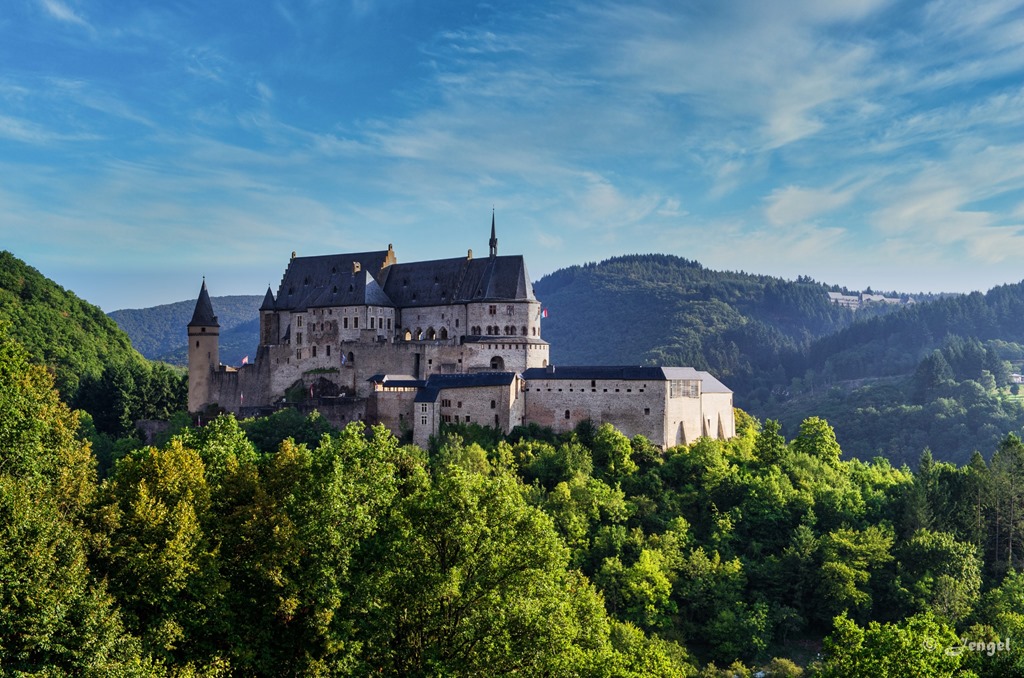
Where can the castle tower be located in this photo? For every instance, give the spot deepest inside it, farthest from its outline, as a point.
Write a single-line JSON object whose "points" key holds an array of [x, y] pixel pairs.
{"points": [[203, 351], [269, 320]]}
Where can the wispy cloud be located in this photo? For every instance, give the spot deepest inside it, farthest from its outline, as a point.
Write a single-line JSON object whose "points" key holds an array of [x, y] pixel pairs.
{"points": [[62, 12]]}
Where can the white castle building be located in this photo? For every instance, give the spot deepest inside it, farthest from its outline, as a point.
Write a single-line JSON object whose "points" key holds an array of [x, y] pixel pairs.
{"points": [[413, 346]]}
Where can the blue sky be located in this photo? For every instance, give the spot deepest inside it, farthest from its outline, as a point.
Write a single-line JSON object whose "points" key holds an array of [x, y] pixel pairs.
{"points": [[861, 142]]}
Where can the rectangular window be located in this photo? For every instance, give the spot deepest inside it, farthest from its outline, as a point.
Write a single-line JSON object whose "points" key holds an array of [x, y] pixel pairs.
{"points": [[372, 325], [510, 310], [389, 323], [298, 354], [647, 410], [423, 420], [298, 338], [328, 351], [299, 321], [684, 388], [380, 322], [355, 322], [493, 310], [314, 351], [423, 407], [467, 417], [344, 322]]}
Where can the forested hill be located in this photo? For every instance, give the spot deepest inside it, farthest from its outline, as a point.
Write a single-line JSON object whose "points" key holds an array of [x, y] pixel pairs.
{"points": [[71, 336], [657, 308], [935, 375], [159, 332], [865, 349]]}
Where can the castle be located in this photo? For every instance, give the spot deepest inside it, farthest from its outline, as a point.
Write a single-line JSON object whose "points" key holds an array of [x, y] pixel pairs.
{"points": [[411, 346]]}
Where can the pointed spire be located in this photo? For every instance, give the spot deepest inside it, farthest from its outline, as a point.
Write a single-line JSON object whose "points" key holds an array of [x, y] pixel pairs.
{"points": [[203, 315], [494, 237], [268, 301]]}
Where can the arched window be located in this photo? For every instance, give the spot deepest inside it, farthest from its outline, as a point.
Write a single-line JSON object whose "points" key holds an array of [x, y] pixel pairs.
{"points": [[494, 404], [350, 359], [418, 335], [408, 335], [431, 335], [497, 363], [444, 332], [524, 330]]}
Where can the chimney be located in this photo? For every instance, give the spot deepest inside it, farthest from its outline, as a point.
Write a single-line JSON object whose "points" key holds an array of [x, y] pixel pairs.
{"points": [[469, 255], [356, 267]]}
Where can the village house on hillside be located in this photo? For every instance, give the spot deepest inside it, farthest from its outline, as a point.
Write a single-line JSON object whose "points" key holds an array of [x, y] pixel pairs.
{"points": [[412, 346]]}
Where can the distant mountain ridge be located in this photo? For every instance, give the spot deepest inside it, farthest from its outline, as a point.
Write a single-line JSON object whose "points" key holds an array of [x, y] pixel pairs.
{"points": [[159, 333]]}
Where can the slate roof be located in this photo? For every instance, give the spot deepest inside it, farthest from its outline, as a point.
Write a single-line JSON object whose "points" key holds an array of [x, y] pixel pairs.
{"points": [[329, 280], [709, 384], [457, 281], [268, 301], [623, 372], [203, 315], [437, 382]]}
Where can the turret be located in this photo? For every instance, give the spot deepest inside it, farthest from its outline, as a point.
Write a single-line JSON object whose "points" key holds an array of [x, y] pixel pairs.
{"points": [[269, 320], [203, 351]]}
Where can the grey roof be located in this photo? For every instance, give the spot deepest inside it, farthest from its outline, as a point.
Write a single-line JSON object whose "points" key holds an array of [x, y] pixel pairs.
{"points": [[460, 280], [330, 280], [268, 301], [624, 372], [203, 315], [438, 382], [709, 384]]}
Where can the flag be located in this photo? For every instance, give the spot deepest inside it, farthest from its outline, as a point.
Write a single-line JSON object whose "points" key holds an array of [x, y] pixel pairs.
{"points": [[245, 360], [544, 313], [311, 390]]}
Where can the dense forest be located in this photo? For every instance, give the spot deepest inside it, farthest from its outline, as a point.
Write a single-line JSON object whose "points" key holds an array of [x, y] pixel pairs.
{"points": [[92, 361], [283, 546]]}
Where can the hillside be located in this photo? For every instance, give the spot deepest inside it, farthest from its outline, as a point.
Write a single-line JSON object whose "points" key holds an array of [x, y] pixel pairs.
{"points": [[664, 309], [159, 332], [71, 336], [934, 375]]}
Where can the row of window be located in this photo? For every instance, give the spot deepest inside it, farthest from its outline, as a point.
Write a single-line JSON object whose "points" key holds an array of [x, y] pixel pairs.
{"points": [[494, 330], [583, 390], [446, 402], [683, 388], [346, 358]]}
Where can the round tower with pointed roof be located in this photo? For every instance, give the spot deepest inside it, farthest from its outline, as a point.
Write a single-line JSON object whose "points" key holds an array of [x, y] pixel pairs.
{"points": [[203, 351]]}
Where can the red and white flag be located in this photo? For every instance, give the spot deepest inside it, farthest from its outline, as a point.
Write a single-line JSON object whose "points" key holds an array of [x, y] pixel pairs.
{"points": [[245, 360], [544, 313]]}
